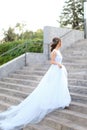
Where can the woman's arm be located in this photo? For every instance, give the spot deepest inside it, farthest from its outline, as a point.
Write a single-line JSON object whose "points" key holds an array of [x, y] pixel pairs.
{"points": [[52, 61]]}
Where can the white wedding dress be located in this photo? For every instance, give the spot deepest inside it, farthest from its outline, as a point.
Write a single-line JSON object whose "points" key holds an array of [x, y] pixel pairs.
{"points": [[51, 93]]}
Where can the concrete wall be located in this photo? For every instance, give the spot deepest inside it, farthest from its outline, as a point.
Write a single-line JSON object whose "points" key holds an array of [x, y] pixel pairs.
{"points": [[68, 37], [19, 62], [34, 58], [71, 38], [12, 66]]}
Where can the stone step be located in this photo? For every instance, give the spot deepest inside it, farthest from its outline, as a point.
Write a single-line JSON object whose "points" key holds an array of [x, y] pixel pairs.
{"points": [[41, 72], [74, 55], [38, 127], [75, 75], [61, 124], [76, 67], [80, 57], [74, 64], [79, 98], [75, 52], [78, 89], [30, 72], [75, 117], [13, 86], [76, 71], [4, 106], [70, 68], [75, 60], [86, 109], [67, 64], [80, 51], [21, 81], [14, 93], [41, 67], [29, 77], [28, 89], [38, 78], [47, 65], [9, 99], [79, 75], [73, 106], [78, 107], [77, 82]]}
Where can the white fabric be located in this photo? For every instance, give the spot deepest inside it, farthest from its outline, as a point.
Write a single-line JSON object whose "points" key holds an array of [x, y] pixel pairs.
{"points": [[51, 93]]}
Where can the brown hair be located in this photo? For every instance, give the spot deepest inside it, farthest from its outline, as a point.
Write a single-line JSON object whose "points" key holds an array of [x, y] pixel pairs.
{"points": [[55, 42]]}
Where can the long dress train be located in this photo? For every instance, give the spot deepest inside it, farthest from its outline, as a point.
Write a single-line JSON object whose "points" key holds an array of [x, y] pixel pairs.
{"points": [[51, 93]]}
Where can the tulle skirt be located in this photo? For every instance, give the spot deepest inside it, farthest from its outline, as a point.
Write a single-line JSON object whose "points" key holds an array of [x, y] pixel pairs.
{"points": [[51, 93]]}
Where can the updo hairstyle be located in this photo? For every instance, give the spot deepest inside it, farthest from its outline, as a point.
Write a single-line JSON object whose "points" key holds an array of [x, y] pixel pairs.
{"points": [[55, 42]]}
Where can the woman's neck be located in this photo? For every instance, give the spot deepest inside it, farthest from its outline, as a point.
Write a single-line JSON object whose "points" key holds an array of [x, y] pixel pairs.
{"points": [[57, 48]]}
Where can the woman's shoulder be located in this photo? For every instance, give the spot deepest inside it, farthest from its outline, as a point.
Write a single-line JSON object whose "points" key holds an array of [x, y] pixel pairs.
{"points": [[55, 51]]}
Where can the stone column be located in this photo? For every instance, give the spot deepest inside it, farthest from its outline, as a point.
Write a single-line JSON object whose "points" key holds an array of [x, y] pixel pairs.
{"points": [[46, 44], [85, 19]]}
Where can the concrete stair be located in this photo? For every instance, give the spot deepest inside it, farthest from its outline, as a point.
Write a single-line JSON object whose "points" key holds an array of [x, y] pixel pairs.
{"points": [[18, 85]]}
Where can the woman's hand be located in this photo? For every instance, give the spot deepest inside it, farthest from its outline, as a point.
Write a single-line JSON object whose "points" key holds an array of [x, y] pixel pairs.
{"points": [[59, 65]]}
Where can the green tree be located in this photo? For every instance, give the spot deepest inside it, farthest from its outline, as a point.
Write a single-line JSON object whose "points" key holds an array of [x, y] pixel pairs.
{"points": [[38, 34], [20, 33], [20, 28], [72, 14], [27, 35], [10, 35]]}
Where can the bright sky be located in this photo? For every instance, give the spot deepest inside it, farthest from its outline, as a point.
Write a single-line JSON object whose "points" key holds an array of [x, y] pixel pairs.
{"points": [[34, 13]]}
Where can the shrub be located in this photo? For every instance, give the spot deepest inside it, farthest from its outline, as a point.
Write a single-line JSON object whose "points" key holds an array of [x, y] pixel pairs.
{"points": [[28, 46]]}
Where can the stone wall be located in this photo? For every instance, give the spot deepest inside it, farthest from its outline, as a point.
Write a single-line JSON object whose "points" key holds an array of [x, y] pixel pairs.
{"points": [[35, 58], [21, 61], [12, 66], [68, 37]]}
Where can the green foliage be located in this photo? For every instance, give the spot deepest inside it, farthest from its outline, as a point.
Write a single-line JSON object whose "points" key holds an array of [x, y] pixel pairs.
{"points": [[9, 45], [26, 35], [38, 34], [10, 35], [14, 37], [25, 47], [35, 47], [19, 33], [72, 14]]}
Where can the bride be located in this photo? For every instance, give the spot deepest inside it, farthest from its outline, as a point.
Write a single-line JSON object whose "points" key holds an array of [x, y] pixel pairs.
{"points": [[51, 93]]}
